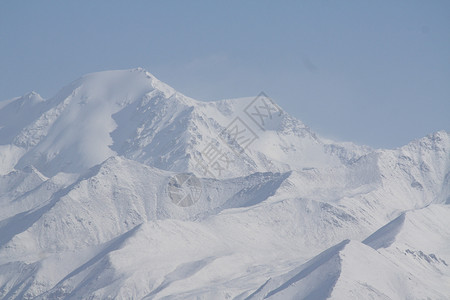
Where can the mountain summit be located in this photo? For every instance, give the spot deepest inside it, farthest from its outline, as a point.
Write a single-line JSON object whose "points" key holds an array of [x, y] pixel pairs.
{"points": [[121, 187], [132, 114]]}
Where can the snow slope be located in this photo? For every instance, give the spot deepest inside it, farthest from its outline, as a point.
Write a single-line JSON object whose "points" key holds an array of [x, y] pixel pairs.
{"points": [[406, 259], [121, 187]]}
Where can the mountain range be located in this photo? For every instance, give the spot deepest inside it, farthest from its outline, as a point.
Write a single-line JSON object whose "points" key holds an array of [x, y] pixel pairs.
{"points": [[120, 187]]}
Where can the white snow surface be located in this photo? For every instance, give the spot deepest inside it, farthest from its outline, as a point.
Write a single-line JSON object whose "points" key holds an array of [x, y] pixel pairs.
{"points": [[90, 187]]}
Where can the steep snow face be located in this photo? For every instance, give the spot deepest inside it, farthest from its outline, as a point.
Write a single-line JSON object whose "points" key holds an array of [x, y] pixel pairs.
{"points": [[420, 169], [121, 187], [426, 230], [17, 114], [74, 132]]}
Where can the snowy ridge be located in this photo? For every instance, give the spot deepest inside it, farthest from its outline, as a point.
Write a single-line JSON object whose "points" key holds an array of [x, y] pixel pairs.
{"points": [[92, 203], [410, 267]]}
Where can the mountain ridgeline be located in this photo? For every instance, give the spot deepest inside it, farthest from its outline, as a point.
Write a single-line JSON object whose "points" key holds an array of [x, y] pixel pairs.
{"points": [[121, 187]]}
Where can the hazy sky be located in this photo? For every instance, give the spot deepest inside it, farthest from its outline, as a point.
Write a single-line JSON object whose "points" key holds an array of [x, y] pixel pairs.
{"points": [[376, 73]]}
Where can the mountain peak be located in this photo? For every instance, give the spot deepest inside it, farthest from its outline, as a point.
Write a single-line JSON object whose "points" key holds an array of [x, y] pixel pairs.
{"points": [[33, 97], [130, 81]]}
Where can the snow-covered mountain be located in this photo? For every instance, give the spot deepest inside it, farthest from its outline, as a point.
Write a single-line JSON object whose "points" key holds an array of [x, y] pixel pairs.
{"points": [[121, 187]]}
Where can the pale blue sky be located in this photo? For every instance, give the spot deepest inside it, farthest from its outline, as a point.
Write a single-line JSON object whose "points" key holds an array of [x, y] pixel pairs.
{"points": [[376, 73]]}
